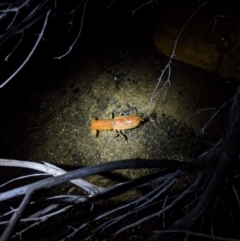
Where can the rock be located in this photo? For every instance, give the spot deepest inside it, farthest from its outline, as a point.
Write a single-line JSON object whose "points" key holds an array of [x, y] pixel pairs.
{"points": [[208, 42]]}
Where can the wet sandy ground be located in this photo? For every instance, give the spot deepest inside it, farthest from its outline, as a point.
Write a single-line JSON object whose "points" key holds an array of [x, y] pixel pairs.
{"points": [[99, 78]]}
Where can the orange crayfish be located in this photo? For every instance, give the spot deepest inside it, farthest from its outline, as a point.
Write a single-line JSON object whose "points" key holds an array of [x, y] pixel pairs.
{"points": [[118, 123]]}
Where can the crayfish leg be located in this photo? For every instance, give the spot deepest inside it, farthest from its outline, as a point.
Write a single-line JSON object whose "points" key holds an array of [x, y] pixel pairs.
{"points": [[111, 115], [95, 133], [119, 133]]}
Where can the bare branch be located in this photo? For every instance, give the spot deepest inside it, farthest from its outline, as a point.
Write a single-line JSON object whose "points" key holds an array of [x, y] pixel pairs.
{"points": [[168, 66], [51, 170], [31, 52], [79, 33]]}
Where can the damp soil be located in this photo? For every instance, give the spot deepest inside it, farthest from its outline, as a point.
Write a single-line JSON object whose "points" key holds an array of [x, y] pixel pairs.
{"points": [[48, 108], [52, 120]]}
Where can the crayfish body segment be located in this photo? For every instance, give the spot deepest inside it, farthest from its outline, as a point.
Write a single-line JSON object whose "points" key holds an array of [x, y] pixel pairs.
{"points": [[119, 123]]}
